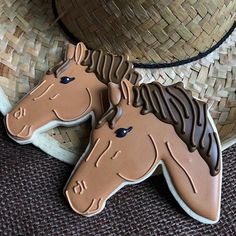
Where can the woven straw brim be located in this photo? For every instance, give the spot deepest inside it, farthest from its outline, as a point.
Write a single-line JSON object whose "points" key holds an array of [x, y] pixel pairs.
{"points": [[211, 79], [157, 31], [31, 42]]}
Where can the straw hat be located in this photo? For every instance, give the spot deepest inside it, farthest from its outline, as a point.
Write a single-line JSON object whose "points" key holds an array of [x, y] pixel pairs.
{"points": [[31, 42], [211, 79], [158, 31]]}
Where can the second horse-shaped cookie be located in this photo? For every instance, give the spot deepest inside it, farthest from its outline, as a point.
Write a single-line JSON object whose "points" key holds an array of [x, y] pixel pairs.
{"points": [[147, 126]]}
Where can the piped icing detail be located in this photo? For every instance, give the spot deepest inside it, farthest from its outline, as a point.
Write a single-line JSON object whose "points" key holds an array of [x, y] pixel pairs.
{"points": [[25, 131], [91, 152], [116, 155], [181, 166], [109, 67], [80, 187], [186, 172], [60, 68], [44, 92], [181, 111], [20, 113], [111, 116], [122, 176], [176, 106], [103, 153], [84, 112], [37, 87]]}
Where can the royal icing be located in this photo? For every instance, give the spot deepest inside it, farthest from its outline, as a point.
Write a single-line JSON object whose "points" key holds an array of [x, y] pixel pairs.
{"points": [[151, 125], [69, 92]]}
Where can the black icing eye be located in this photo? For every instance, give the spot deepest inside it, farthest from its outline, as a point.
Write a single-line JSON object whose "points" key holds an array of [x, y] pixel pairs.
{"points": [[66, 79], [121, 132]]}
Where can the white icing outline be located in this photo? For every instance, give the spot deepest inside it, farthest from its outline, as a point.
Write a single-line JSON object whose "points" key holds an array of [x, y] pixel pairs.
{"points": [[167, 178], [43, 141], [5, 105], [39, 139], [172, 190]]}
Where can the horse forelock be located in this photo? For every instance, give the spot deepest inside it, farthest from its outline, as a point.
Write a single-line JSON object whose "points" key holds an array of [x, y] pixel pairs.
{"points": [[60, 68], [64, 64], [176, 106], [111, 116], [109, 67]]}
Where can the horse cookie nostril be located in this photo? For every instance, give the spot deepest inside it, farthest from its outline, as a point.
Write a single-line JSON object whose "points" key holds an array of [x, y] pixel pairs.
{"points": [[21, 112], [80, 187]]}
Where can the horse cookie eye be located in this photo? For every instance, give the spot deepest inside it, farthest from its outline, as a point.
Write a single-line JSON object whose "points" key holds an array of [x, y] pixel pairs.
{"points": [[121, 132], [66, 79]]}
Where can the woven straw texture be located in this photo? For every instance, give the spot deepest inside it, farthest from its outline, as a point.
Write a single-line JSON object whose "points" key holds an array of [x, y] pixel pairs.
{"points": [[160, 31], [30, 43], [211, 79], [32, 203]]}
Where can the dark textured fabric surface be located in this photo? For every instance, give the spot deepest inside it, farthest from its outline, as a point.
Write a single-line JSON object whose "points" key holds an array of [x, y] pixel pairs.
{"points": [[31, 200]]}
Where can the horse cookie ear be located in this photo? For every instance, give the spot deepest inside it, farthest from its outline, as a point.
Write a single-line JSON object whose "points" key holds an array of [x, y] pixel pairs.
{"points": [[80, 52], [114, 93], [70, 51]]}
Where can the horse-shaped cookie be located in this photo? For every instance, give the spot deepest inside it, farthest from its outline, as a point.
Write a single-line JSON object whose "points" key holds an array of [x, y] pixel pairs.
{"points": [[147, 126], [69, 93]]}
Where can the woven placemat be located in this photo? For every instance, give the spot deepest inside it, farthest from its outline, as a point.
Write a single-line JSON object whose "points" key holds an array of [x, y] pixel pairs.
{"points": [[31, 42], [32, 203]]}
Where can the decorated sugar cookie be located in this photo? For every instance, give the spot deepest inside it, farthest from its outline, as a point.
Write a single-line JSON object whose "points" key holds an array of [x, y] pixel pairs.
{"points": [[69, 93], [147, 126]]}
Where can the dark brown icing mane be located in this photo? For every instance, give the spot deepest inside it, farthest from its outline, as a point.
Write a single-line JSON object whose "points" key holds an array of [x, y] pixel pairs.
{"points": [[111, 116], [106, 66], [109, 67], [59, 68], [175, 105]]}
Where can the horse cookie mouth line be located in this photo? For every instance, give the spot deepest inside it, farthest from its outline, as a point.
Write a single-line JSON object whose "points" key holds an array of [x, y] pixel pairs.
{"points": [[88, 211], [25, 132], [80, 115]]}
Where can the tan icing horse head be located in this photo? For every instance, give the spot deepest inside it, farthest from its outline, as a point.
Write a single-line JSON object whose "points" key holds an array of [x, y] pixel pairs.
{"points": [[136, 135], [68, 92]]}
